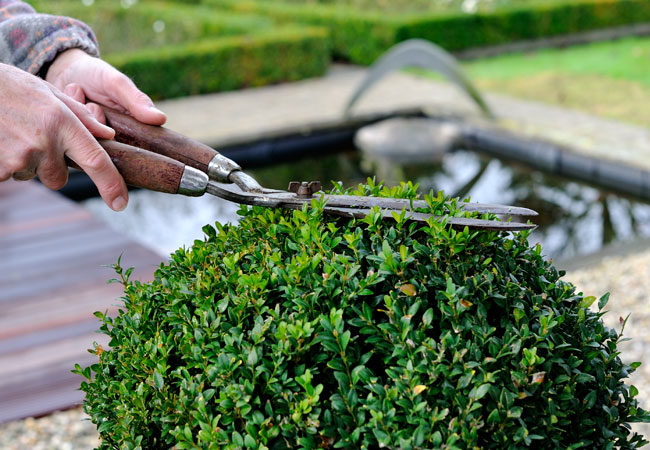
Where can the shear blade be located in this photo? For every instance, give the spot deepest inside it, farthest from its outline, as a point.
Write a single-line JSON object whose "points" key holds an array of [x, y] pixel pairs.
{"points": [[359, 206], [456, 222], [398, 204]]}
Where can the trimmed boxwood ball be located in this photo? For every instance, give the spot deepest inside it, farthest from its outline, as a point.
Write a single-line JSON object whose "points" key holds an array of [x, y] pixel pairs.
{"points": [[294, 329]]}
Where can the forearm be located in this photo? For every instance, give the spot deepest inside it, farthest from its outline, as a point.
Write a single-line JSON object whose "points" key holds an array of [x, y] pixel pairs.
{"points": [[31, 41]]}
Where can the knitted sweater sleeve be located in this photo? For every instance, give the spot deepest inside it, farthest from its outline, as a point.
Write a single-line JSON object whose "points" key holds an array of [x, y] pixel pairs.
{"points": [[31, 41]]}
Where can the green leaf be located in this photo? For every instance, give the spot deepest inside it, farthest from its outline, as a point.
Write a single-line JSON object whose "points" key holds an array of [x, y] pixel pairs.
{"points": [[158, 381], [222, 305], [590, 399], [252, 357], [345, 339], [427, 317], [237, 439], [479, 392], [603, 301], [493, 417], [249, 441], [588, 301], [436, 439]]}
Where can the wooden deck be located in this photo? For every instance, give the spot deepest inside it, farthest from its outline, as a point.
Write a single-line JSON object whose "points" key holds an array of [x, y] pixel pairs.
{"points": [[53, 277]]}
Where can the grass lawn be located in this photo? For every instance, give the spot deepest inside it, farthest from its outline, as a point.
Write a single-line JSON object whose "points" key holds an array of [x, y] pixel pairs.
{"points": [[610, 79]]}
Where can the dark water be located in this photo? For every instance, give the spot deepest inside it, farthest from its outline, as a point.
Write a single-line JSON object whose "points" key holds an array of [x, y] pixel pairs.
{"points": [[575, 218]]}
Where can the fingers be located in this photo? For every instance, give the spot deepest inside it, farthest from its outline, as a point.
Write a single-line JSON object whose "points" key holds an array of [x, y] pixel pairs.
{"points": [[76, 92], [84, 150], [74, 99], [137, 103], [103, 84], [96, 111], [40, 125], [53, 173]]}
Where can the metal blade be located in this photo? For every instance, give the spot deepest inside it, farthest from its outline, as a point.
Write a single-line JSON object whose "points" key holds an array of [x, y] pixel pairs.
{"points": [[456, 222], [359, 206], [284, 199], [397, 204], [484, 208]]}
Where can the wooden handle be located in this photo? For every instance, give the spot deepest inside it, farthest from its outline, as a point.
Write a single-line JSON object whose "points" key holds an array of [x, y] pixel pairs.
{"points": [[160, 140], [144, 169]]}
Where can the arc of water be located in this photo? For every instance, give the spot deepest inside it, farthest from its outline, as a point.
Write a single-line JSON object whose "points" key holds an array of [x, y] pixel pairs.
{"points": [[423, 54]]}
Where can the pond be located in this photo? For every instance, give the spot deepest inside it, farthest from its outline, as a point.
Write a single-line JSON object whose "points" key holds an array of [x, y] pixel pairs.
{"points": [[575, 218]]}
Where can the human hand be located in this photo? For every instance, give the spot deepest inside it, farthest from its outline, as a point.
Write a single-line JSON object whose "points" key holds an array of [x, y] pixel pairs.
{"points": [[39, 125], [86, 78]]}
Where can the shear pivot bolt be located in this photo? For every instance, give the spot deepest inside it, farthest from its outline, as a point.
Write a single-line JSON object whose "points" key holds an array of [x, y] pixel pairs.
{"points": [[304, 189]]}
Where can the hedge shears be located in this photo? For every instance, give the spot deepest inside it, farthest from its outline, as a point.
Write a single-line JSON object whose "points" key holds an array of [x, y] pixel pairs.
{"points": [[159, 159]]}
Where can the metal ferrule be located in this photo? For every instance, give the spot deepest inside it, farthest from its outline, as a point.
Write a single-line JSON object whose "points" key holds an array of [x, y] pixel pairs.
{"points": [[193, 182], [221, 167]]}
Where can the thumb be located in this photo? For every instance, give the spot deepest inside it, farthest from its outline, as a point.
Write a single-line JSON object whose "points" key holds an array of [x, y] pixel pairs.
{"points": [[137, 103]]}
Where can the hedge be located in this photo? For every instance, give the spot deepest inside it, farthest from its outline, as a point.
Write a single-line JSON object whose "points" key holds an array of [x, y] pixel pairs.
{"points": [[298, 330], [198, 49], [362, 36], [222, 64]]}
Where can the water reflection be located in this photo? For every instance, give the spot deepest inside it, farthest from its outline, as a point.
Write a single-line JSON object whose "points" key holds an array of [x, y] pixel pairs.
{"points": [[164, 222], [575, 218]]}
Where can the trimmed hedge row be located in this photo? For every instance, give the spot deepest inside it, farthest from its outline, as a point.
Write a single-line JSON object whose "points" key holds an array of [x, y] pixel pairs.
{"points": [[173, 50], [228, 63], [362, 36]]}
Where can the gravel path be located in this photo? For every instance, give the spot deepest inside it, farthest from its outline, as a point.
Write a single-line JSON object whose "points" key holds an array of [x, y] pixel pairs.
{"points": [[68, 430]]}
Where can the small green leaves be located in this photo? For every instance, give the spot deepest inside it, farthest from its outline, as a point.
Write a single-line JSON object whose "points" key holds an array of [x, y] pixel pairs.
{"points": [[479, 392], [158, 381], [603, 301], [427, 317], [407, 289], [222, 304], [419, 389], [252, 357], [587, 301], [344, 340], [295, 329]]}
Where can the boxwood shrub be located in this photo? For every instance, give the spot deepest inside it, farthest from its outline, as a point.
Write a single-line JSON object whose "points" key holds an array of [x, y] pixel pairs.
{"points": [[361, 36], [299, 330], [173, 49], [222, 64]]}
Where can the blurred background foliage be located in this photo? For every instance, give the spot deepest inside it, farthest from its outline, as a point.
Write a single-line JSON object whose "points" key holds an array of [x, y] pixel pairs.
{"points": [[185, 47]]}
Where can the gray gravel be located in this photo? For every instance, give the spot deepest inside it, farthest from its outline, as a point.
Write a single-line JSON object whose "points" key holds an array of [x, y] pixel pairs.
{"points": [[68, 430]]}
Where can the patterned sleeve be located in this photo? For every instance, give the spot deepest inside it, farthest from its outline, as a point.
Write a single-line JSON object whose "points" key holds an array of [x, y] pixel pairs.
{"points": [[31, 41]]}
